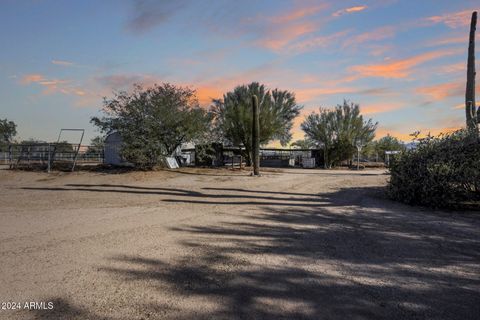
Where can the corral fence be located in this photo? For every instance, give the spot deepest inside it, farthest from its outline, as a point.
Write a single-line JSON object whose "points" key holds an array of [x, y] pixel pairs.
{"points": [[66, 156], [217, 155], [50, 155]]}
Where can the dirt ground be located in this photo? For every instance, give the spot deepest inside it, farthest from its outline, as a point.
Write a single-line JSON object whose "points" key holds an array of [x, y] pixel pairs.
{"points": [[219, 244]]}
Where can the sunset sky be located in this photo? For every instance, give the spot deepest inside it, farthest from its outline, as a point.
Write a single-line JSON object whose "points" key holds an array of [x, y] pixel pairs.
{"points": [[403, 61]]}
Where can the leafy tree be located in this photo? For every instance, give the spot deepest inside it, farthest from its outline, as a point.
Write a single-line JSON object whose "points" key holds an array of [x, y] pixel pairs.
{"points": [[65, 147], [339, 131], [319, 127], [32, 141], [153, 122], [39, 145], [303, 144], [8, 130], [387, 143], [233, 116], [96, 145]]}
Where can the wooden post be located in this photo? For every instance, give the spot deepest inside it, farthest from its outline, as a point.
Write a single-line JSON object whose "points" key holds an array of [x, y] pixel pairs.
{"points": [[48, 165]]}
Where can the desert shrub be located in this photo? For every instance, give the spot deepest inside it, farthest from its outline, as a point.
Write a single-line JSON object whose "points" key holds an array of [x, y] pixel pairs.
{"points": [[441, 171]]}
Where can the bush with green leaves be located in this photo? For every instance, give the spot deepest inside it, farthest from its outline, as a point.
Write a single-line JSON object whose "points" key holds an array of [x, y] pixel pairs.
{"points": [[233, 116], [8, 130], [153, 122], [387, 143], [441, 171], [338, 131]]}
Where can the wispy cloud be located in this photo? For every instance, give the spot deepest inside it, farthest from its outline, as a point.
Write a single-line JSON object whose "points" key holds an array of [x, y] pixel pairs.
{"points": [[276, 32], [125, 81], [452, 19], [438, 92], [278, 37], [377, 34], [305, 95], [269, 29], [147, 14], [299, 13], [381, 107], [33, 77], [349, 10], [62, 63], [455, 68], [398, 68], [347, 39], [380, 49], [444, 41], [375, 91], [52, 86], [317, 42]]}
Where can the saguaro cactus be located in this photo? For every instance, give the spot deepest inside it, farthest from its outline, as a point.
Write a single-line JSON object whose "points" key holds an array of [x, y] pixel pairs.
{"points": [[255, 136], [470, 106]]}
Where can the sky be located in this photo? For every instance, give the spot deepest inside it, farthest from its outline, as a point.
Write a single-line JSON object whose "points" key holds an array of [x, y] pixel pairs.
{"points": [[402, 61]]}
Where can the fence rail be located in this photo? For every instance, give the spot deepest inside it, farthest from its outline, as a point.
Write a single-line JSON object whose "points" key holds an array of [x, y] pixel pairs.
{"points": [[64, 155], [50, 154]]}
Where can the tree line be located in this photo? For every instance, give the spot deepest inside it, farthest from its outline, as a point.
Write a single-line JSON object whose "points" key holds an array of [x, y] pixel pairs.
{"points": [[155, 121]]}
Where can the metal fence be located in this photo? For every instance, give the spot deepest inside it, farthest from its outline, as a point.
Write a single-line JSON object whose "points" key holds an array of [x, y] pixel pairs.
{"points": [[48, 155], [65, 156]]}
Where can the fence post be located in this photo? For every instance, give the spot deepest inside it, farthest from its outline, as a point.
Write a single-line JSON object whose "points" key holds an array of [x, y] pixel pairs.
{"points": [[48, 165], [10, 157]]}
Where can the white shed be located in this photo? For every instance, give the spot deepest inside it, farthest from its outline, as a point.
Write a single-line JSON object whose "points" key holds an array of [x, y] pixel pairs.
{"points": [[113, 147]]}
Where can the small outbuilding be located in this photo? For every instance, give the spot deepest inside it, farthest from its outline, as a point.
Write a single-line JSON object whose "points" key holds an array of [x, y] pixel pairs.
{"points": [[113, 148]]}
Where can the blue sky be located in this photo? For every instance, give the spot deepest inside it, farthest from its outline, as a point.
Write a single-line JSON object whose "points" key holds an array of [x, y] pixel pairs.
{"points": [[403, 61]]}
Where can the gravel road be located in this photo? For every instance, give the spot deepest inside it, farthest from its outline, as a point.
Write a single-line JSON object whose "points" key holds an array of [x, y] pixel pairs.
{"points": [[219, 244]]}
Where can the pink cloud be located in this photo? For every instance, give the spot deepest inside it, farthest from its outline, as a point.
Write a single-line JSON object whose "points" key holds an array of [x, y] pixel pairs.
{"points": [[278, 37], [304, 95], [29, 78], [299, 13], [52, 86], [458, 68], [452, 20], [441, 91], [278, 31], [346, 39], [448, 40], [349, 10], [398, 68], [380, 107], [316, 42]]}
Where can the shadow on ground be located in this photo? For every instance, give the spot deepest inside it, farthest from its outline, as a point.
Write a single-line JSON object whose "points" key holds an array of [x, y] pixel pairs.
{"points": [[349, 254]]}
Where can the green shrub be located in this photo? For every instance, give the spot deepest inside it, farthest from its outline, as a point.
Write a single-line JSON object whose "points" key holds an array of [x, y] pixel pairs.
{"points": [[153, 122], [441, 171]]}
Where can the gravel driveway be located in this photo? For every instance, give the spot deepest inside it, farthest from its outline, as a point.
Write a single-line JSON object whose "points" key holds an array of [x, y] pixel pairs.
{"points": [[219, 244]]}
